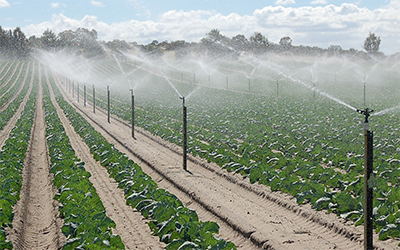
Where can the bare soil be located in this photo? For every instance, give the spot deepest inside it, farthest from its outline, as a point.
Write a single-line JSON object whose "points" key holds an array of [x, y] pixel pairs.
{"points": [[10, 125], [36, 224], [130, 224], [250, 215]]}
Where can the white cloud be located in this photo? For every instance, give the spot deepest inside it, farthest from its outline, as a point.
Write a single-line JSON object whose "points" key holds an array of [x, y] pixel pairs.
{"points": [[347, 25], [284, 2], [97, 4], [319, 2], [55, 5], [4, 3]]}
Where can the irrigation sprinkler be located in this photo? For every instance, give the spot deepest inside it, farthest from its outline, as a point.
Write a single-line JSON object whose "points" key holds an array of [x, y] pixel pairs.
{"points": [[314, 91], [94, 100], [77, 91], [194, 78], [368, 185], [209, 80], [133, 114], [184, 133], [84, 95], [277, 88], [226, 82], [249, 84], [108, 104], [73, 90]]}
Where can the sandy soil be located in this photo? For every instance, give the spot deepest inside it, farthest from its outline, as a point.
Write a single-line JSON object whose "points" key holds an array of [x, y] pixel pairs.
{"points": [[36, 224], [10, 125], [14, 82], [130, 224], [5, 73], [270, 220]]}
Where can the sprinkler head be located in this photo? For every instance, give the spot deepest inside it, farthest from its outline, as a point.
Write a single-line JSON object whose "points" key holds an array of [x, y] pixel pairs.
{"points": [[365, 112]]}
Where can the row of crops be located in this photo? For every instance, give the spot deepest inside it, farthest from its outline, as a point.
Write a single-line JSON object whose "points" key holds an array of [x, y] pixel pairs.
{"points": [[86, 226], [12, 158], [310, 148], [173, 223]]}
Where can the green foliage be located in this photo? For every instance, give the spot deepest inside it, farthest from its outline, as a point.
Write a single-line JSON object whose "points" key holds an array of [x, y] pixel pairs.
{"points": [[86, 226], [12, 158], [174, 224]]}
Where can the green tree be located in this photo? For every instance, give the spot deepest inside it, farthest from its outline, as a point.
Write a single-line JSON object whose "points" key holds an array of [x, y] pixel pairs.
{"points": [[258, 43], [372, 42]]}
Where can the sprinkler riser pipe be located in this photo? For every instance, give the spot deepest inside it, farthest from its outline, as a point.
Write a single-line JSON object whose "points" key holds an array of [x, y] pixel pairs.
{"points": [[77, 91], [108, 104], [133, 116], [184, 146], [368, 191], [84, 95], [94, 100]]}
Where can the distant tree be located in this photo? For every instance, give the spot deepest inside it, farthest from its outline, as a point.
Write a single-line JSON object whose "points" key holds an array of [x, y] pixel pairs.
{"points": [[371, 43], [216, 44], [20, 48], [258, 43], [240, 43], [285, 42], [49, 40], [335, 49], [118, 45]]}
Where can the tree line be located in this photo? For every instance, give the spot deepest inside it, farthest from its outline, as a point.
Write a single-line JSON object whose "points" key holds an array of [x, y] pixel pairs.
{"points": [[15, 45]]}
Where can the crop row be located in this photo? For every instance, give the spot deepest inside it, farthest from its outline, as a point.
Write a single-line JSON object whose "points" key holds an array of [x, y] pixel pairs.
{"points": [[86, 224], [175, 224], [13, 106], [310, 149], [13, 84], [12, 158]]}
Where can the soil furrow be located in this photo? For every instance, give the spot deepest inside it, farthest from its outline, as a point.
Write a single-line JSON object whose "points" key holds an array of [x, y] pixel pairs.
{"points": [[11, 123], [130, 224], [269, 219], [36, 224]]}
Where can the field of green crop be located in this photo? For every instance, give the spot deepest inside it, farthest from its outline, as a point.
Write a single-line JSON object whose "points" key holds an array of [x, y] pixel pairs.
{"points": [[290, 125], [285, 122]]}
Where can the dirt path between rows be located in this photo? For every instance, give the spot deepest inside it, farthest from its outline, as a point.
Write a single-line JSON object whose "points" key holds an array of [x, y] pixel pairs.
{"points": [[271, 220], [36, 224], [11, 123], [15, 81], [130, 224]]}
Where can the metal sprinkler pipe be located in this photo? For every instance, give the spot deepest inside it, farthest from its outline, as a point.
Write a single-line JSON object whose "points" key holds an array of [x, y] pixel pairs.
{"points": [[77, 87], [184, 133], [94, 100], [84, 95], [133, 114], [368, 182], [108, 104]]}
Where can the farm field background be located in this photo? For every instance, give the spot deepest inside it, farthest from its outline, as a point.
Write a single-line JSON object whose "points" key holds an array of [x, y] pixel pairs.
{"points": [[283, 123]]}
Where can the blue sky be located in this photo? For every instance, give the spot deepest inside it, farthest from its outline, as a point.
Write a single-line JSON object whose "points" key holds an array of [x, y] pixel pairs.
{"points": [[308, 22]]}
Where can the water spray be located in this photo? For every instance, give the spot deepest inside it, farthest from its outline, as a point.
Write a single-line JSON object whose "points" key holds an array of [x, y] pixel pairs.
{"points": [[108, 104], [364, 91], [368, 185], [133, 114], [184, 133]]}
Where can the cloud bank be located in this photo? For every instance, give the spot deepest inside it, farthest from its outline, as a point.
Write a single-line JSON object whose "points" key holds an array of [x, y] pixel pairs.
{"points": [[4, 3], [347, 25]]}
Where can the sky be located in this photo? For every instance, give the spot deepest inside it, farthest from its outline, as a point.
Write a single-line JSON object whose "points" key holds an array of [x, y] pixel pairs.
{"points": [[319, 23]]}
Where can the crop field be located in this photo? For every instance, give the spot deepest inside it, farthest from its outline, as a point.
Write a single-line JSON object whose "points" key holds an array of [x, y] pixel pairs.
{"points": [[276, 152]]}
